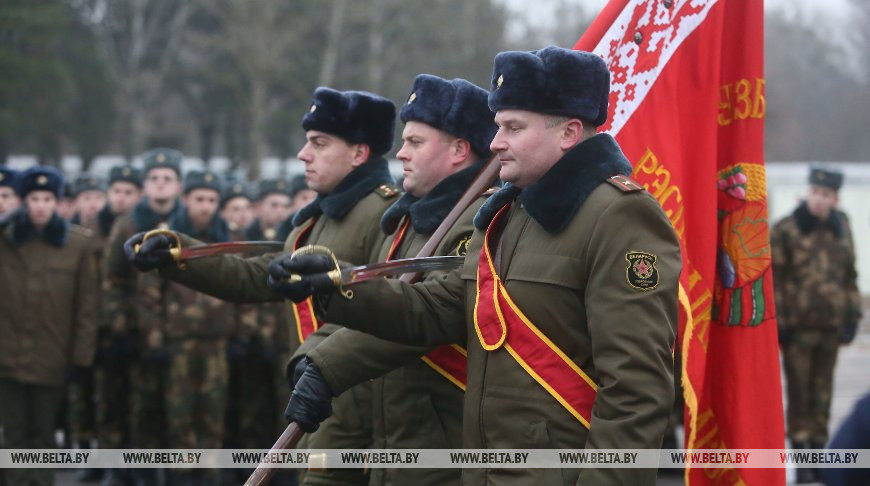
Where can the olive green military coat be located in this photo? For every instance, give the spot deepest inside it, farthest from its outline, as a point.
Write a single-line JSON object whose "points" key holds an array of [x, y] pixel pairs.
{"points": [[563, 257], [49, 308], [413, 406]]}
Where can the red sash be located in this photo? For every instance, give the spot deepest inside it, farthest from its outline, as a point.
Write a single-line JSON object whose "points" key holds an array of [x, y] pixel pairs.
{"points": [[306, 320], [500, 323], [450, 361]]}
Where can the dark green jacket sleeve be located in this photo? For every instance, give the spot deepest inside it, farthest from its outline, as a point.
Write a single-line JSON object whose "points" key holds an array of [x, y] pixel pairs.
{"points": [[349, 357], [227, 277], [428, 313], [632, 332]]}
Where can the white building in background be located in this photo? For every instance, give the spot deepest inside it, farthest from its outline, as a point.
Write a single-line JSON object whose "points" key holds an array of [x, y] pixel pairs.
{"points": [[786, 182]]}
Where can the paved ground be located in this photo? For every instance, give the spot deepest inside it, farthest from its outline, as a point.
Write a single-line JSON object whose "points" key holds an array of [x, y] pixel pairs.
{"points": [[852, 380]]}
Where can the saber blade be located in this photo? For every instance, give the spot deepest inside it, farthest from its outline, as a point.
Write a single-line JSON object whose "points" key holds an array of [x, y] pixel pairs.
{"points": [[397, 267], [247, 247]]}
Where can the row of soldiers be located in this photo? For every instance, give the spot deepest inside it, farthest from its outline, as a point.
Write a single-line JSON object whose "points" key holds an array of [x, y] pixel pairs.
{"points": [[557, 329], [154, 364]]}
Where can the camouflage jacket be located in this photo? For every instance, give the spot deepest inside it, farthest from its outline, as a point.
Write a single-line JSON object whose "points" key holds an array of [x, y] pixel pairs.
{"points": [[814, 271]]}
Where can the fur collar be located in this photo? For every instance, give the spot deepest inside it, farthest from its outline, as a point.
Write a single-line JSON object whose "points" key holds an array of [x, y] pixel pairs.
{"points": [[428, 212], [105, 220], [216, 232], [21, 230], [355, 186], [145, 219], [554, 199], [807, 222]]}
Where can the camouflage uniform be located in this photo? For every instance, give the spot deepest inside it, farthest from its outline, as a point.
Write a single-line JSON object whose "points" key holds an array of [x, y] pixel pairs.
{"points": [[132, 300], [816, 294]]}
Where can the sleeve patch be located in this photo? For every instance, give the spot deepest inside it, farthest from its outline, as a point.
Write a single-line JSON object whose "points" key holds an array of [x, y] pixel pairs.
{"points": [[641, 272]]}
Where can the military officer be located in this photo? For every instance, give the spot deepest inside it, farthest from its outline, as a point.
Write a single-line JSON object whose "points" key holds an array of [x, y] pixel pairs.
{"points": [[48, 316], [133, 300], [568, 295], [347, 133], [818, 305], [9, 200], [448, 127]]}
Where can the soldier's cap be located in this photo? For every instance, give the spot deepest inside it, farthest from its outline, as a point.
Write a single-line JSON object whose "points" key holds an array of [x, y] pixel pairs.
{"points": [[457, 107], [86, 182], [202, 179], [40, 178], [355, 116], [552, 81], [826, 178], [272, 186], [234, 190], [7, 177], [68, 189], [297, 183], [125, 173], [162, 157]]}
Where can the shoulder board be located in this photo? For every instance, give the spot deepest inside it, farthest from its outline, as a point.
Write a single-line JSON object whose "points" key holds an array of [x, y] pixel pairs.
{"points": [[387, 191], [489, 192], [625, 184]]}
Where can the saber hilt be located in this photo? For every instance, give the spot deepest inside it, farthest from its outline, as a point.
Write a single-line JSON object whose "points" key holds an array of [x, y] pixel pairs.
{"points": [[174, 252], [327, 280]]}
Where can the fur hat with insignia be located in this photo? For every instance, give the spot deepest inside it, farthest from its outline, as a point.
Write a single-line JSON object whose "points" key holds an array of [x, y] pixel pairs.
{"points": [[39, 178], [7, 177], [355, 116], [125, 173], [234, 190], [86, 182], [826, 178], [162, 157], [202, 179], [457, 107], [272, 186], [552, 81]]}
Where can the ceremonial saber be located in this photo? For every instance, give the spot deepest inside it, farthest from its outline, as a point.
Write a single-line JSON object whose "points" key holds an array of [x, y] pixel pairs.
{"points": [[264, 471], [181, 255], [478, 186]]}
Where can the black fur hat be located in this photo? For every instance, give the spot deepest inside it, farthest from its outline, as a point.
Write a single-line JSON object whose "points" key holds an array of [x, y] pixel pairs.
{"points": [[234, 190], [457, 107], [7, 177], [202, 179], [355, 116], [39, 178], [272, 186], [553, 81], [162, 157], [125, 173], [827, 178]]}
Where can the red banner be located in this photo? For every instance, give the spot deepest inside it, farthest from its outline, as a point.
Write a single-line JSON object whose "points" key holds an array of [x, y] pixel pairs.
{"points": [[687, 106]]}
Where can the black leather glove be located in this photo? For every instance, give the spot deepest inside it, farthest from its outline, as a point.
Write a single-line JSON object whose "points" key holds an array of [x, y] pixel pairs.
{"points": [[312, 269], [784, 335], [154, 253], [298, 370], [311, 400]]}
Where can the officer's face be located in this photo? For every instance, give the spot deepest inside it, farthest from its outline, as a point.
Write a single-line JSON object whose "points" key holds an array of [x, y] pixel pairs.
{"points": [[88, 204], [274, 208], [123, 196], [8, 200], [40, 206], [201, 205], [821, 201], [162, 184], [525, 146], [238, 212], [328, 159], [426, 157]]}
